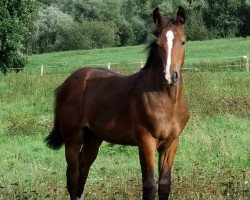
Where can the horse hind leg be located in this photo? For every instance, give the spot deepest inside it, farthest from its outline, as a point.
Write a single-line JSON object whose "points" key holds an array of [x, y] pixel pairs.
{"points": [[89, 151]]}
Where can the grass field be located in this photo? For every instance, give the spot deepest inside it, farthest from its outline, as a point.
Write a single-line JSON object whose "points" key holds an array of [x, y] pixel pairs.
{"points": [[200, 54], [212, 162]]}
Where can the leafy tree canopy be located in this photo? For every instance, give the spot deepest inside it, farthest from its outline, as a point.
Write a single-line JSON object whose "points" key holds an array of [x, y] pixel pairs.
{"points": [[14, 18]]}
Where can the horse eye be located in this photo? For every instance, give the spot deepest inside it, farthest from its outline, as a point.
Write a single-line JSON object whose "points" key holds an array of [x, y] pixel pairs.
{"points": [[183, 43]]}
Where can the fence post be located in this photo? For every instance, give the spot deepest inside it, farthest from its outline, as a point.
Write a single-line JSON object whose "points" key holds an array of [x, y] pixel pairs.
{"points": [[142, 64], [42, 70], [247, 62], [109, 65]]}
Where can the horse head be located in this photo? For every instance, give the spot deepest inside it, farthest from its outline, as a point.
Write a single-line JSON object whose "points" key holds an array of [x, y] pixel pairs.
{"points": [[171, 40]]}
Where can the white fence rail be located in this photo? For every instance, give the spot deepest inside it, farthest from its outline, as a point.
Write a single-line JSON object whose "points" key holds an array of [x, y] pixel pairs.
{"points": [[141, 64]]}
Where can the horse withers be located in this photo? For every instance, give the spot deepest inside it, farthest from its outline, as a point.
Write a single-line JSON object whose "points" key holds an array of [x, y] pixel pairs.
{"points": [[146, 109]]}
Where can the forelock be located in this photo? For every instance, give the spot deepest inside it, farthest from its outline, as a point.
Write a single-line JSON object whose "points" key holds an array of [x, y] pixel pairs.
{"points": [[167, 22]]}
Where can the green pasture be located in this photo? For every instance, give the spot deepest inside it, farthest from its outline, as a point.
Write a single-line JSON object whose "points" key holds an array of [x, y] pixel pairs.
{"points": [[213, 159], [204, 55]]}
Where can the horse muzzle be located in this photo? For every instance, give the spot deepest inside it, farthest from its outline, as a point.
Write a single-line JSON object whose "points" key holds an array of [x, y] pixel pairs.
{"points": [[172, 79], [175, 78]]}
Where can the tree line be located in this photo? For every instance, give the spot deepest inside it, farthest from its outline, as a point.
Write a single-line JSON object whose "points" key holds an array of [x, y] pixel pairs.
{"points": [[40, 26]]}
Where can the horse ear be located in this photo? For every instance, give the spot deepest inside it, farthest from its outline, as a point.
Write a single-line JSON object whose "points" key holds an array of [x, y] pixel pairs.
{"points": [[157, 17], [181, 15]]}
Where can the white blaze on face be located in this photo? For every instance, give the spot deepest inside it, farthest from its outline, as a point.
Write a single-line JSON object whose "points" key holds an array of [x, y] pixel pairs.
{"points": [[170, 38]]}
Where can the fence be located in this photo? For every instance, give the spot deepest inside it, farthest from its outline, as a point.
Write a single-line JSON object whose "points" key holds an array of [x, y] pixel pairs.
{"points": [[141, 64]]}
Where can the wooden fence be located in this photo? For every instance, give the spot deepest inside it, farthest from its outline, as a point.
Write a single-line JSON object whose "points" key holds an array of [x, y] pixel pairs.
{"points": [[141, 63]]}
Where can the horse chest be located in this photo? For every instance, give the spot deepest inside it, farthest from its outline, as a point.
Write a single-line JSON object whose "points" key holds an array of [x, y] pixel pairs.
{"points": [[165, 120]]}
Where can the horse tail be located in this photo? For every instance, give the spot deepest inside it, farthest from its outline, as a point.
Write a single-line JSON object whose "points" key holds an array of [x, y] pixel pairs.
{"points": [[54, 139]]}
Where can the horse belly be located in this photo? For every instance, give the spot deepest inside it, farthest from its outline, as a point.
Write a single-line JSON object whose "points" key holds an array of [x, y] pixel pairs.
{"points": [[110, 120], [114, 132]]}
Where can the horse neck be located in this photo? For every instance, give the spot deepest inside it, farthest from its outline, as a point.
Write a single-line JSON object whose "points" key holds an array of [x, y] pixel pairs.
{"points": [[156, 80]]}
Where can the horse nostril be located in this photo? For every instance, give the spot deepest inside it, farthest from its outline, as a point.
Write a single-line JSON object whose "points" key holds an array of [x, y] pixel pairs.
{"points": [[175, 77]]}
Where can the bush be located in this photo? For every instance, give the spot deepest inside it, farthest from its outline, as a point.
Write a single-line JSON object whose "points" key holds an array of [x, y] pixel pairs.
{"points": [[139, 29], [195, 28], [101, 34], [126, 32], [88, 35], [12, 60]]}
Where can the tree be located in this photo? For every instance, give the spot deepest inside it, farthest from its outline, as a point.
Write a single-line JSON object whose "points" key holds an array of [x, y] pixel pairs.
{"points": [[54, 30], [195, 26], [123, 13], [14, 18], [77, 24], [224, 17], [88, 35], [245, 11], [50, 23]]}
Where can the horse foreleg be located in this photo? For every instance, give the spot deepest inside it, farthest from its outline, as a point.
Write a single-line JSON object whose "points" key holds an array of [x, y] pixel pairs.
{"points": [[147, 150], [72, 158], [88, 155], [166, 158]]}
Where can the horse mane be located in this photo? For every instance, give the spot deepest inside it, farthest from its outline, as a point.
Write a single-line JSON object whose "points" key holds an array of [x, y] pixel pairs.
{"points": [[151, 48]]}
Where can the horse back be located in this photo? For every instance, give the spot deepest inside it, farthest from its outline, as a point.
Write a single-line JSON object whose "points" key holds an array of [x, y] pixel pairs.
{"points": [[101, 100]]}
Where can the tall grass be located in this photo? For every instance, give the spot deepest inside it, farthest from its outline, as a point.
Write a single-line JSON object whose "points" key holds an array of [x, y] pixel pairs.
{"points": [[212, 161]]}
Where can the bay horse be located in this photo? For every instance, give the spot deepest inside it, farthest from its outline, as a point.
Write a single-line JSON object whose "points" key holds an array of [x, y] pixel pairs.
{"points": [[146, 109]]}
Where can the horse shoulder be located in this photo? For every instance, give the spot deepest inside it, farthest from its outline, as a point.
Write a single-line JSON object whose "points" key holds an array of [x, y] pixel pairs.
{"points": [[181, 115]]}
